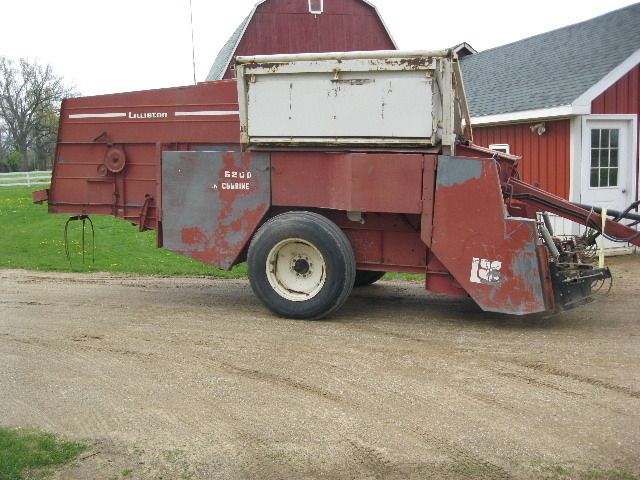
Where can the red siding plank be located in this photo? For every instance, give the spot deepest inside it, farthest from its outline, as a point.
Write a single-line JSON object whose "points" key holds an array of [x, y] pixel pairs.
{"points": [[545, 159], [621, 97]]}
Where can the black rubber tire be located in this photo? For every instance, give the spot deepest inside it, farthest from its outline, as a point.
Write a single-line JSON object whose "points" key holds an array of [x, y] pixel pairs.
{"points": [[367, 277], [328, 239]]}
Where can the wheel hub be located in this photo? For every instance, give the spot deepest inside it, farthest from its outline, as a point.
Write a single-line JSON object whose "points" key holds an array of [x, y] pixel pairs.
{"points": [[301, 266], [291, 272]]}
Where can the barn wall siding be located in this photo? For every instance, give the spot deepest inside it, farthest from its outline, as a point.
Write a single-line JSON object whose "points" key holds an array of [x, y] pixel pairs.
{"points": [[330, 7], [545, 158], [622, 97], [286, 26]]}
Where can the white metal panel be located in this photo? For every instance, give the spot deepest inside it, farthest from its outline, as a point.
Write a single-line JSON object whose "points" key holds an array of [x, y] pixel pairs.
{"points": [[355, 104], [351, 98]]}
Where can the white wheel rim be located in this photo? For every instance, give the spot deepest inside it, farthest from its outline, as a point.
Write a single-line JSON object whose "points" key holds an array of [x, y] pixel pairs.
{"points": [[296, 269]]}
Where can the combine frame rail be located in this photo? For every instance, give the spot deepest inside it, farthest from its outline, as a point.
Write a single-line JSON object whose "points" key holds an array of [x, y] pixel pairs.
{"points": [[536, 198]]}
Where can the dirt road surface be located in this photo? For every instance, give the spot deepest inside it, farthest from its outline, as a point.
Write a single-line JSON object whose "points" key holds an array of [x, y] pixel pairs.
{"points": [[193, 378]]}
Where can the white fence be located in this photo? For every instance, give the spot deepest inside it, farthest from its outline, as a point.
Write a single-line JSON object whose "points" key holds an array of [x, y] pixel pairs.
{"points": [[18, 179]]}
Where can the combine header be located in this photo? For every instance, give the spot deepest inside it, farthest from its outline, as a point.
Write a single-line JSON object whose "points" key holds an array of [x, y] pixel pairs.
{"points": [[326, 170]]}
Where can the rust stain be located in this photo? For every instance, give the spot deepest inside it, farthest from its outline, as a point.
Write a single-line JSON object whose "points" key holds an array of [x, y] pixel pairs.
{"points": [[413, 63], [272, 66], [193, 236]]}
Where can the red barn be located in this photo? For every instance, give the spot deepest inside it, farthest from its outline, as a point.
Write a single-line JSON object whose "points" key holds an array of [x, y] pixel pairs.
{"points": [[568, 102], [304, 26]]}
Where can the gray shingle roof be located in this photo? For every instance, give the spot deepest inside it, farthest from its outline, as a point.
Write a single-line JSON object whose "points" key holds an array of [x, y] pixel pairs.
{"points": [[551, 69], [221, 62]]}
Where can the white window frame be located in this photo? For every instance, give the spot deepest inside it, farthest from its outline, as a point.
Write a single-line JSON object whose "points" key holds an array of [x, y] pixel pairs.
{"points": [[585, 141], [316, 12], [501, 147], [600, 167]]}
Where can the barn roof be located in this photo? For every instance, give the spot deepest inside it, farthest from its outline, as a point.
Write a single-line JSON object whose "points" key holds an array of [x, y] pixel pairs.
{"points": [[226, 53], [551, 69]]}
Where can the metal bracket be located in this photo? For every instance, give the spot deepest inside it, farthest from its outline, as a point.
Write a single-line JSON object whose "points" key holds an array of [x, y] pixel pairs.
{"points": [[144, 211]]}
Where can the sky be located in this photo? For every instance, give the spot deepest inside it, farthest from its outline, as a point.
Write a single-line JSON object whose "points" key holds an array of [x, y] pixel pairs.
{"points": [[125, 45]]}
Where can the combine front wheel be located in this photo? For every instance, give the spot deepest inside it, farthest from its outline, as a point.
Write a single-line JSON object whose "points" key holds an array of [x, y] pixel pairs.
{"points": [[301, 265]]}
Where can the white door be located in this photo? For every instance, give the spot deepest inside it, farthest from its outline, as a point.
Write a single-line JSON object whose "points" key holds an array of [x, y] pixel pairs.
{"points": [[608, 164]]}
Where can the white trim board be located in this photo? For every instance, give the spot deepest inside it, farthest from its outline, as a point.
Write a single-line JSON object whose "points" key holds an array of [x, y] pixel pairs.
{"points": [[561, 111], [98, 115], [580, 106], [577, 131], [633, 146]]}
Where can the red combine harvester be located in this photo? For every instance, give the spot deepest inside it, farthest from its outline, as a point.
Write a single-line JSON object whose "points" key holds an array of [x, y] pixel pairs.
{"points": [[326, 170]]}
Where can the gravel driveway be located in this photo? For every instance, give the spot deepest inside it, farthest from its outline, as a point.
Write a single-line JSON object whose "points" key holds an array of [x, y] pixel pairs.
{"points": [[193, 378]]}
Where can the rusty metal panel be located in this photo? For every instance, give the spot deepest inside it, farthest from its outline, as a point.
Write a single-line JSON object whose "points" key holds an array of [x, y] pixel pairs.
{"points": [[212, 202], [379, 248], [428, 192], [349, 98], [355, 104], [140, 125], [206, 113], [372, 182], [404, 248], [439, 280], [492, 256], [367, 245]]}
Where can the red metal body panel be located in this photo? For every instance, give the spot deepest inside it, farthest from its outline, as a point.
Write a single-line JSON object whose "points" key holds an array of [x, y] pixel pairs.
{"points": [[428, 192], [545, 158], [213, 203], [381, 241], [142, 125], [362, 182], [492, 256], [212, 96], [440, 280], [388, 250], [286, 26]]}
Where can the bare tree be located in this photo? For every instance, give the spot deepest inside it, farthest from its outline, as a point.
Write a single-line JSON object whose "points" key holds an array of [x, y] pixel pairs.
{"points": [[3, 140], [3, 148], [30, 96]]}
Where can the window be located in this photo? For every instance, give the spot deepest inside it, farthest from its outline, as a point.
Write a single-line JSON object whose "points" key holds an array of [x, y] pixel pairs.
{"points": [[315, 6], [500, 147], [604, 157]]}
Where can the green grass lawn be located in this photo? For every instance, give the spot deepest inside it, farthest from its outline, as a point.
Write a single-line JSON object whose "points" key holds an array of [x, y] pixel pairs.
{"points": [[33, 239], [21, 451]]}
